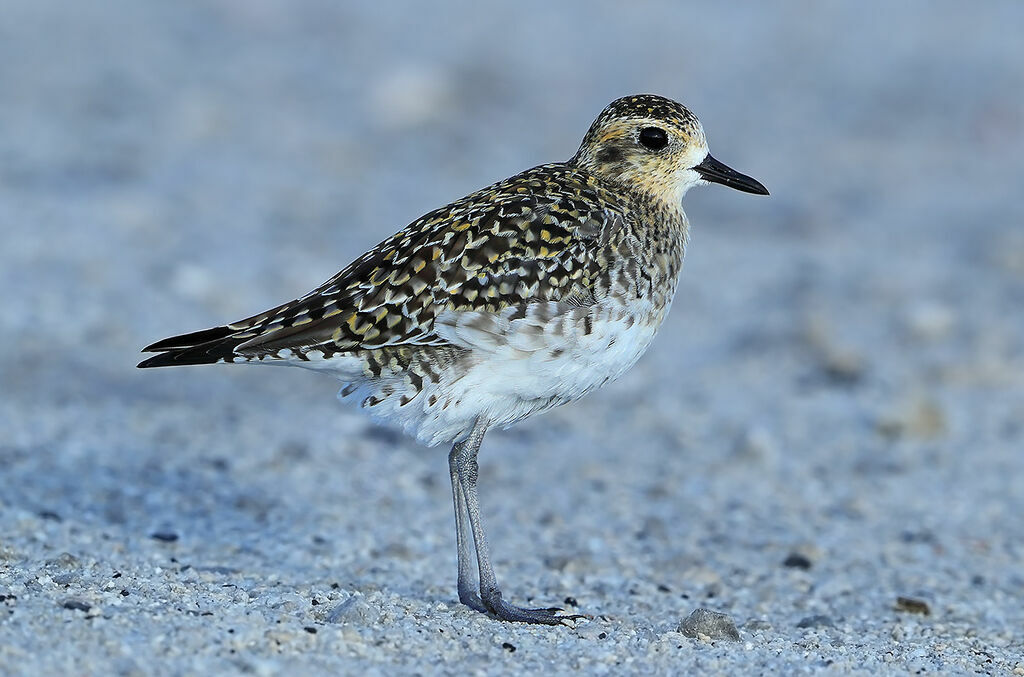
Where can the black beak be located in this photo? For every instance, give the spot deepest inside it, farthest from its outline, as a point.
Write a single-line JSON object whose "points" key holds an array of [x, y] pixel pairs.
{"points": [[714, 171]]}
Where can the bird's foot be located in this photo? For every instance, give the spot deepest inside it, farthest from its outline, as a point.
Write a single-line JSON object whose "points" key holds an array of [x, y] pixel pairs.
{"points": [[469, 597], [491, 599]]}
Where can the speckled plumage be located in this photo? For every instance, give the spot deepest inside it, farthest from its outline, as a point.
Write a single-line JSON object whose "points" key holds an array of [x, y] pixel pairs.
{"points": [[522, 296]]}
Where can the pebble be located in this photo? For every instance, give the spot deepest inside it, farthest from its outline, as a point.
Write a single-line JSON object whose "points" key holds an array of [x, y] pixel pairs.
{"points": [[913, 606], [757, 444], [354, 610], [795, 560], [591, 631], [757, 625], [920, 418], [930, 320], [711, 624], [815, 621]]}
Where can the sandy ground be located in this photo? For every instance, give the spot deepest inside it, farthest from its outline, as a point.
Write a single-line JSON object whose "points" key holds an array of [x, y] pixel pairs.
{"points": [[832, 418]]}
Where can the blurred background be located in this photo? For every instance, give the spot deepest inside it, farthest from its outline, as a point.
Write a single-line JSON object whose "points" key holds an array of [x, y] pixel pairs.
{"points": [[841, 374]]}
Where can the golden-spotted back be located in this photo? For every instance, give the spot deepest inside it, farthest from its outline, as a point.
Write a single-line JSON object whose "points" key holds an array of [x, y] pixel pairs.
{"points": [[534, 237]]}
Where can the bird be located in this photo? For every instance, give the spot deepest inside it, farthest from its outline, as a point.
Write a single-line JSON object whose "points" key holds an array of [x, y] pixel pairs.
{"points": [[520, 297]]}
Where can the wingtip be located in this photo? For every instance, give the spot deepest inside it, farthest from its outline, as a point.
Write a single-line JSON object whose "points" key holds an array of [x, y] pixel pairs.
{"points": [[174, 352], [190, 340], [155, 361], [184, 358]]}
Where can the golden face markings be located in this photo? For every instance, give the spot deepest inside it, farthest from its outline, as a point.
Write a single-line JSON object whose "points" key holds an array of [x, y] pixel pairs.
{"points": [[647, 143]]}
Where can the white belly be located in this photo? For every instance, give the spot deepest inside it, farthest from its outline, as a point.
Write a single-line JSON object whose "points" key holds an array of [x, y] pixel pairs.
{"points": [[522, 366]]}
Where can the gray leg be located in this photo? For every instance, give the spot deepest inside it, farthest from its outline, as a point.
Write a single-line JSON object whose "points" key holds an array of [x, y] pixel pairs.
{"points": [[467, 580], [465, 473]]}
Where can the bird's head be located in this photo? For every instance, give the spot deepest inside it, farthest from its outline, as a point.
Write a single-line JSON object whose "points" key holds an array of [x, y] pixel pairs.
{"points": [[655, 145]]}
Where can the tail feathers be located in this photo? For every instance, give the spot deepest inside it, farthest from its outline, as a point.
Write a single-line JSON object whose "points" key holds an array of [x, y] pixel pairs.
{"points": [[201, 347], [190, 340]]}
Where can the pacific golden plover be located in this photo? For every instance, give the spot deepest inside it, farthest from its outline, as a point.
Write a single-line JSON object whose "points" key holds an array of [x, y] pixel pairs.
{"points": [[515, 299]]}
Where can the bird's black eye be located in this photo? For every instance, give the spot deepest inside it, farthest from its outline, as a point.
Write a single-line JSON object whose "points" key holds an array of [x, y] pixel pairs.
{"points": [[653, 138]]}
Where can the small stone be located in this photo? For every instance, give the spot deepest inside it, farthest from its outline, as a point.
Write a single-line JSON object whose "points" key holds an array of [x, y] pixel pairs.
{"points": [[795, 560], [815, 621], [165, 536], [930, 320], [65, 560], [354, 610], [589, 631], [509, 647], [76, 605], [756, 444], [840, 365], [913, 606], [757, 625], [844, 368], [920, 419], [557, 562], [712, 624]]}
